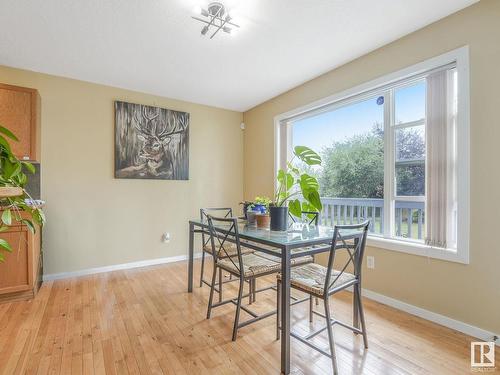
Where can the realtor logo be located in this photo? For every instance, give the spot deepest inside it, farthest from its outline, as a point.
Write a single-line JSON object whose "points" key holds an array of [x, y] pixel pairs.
{"points": [[482, 355]]}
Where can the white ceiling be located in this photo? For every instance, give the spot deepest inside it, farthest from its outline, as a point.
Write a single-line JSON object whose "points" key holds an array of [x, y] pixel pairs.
{"points": [[154, 46]]}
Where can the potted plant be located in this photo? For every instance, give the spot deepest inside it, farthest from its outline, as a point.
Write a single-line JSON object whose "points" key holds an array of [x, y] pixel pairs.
{"points": [[260, 207], [293, 183], [13, 196], [261, 204]]}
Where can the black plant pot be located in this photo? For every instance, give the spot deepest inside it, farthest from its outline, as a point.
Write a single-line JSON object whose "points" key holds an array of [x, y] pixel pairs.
{"points": [[279, 218]]}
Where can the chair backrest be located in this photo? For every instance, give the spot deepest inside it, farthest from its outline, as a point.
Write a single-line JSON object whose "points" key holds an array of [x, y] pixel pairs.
{"points": [[223, 233], [312, 216], [218, 211], [352, 239]]}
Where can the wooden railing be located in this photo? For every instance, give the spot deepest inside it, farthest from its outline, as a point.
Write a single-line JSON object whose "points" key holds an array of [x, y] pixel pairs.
{"points": [[409, 216]]}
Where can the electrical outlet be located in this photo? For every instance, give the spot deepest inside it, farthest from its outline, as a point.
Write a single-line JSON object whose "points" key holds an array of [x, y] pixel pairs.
{"points": [[166, 237], [370, 262]]}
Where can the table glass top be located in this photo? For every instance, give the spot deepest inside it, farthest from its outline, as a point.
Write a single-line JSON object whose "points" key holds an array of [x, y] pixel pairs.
{"points": [[297, 234]]}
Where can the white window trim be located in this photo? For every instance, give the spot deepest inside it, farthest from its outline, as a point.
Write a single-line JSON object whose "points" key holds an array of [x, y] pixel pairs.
{"points": [[460, 57]]}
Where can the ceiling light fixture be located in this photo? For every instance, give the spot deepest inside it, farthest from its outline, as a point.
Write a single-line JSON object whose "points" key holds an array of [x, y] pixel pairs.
{"points": [[216, 18]]}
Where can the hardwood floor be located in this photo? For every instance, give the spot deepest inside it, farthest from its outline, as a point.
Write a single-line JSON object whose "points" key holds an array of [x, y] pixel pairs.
{"points": [[142, 321]]}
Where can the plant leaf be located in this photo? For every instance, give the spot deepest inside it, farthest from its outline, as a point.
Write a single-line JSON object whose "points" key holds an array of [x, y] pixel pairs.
{"points": [[5, 245], [314, 199], [38, 216], [29, 224], [294, 207], [307, 155], [30, 167], [8, 133], [5, 144], [7, 217], [11, 169], [308, 182]]}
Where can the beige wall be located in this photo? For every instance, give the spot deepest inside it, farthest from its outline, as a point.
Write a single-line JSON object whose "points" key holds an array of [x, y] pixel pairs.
{"points": [[95, 220], [469, 293]]}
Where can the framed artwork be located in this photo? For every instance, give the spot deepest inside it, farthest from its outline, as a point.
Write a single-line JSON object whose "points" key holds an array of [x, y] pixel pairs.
{"points": [[151, 142]]}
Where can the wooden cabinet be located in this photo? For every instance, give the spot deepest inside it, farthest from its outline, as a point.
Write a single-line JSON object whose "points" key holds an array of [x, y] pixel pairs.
{"points": [[20, 113], [20, 273]]}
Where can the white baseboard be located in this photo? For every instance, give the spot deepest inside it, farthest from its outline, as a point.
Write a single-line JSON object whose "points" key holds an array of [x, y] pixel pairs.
{"points": [[116, 267], [432, 316]]}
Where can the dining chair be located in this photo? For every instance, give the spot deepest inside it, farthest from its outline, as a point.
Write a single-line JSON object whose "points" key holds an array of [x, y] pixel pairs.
{"points": [[312, 217], [323, 282], [207, 247], [245, 267]]}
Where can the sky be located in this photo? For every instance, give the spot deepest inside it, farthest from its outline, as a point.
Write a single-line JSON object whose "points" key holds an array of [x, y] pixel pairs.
{"points": [[321, 131]]}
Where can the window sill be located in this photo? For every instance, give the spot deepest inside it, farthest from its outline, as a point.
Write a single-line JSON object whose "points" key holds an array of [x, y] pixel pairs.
{"points": [[419, 249]]}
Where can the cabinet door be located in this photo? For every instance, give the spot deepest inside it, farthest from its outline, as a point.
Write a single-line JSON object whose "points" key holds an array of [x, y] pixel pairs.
{"points": [[15, 271], [16, 114]]}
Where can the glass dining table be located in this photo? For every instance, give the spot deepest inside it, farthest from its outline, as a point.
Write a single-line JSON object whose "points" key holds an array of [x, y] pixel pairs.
{"points": [[299, 235]]}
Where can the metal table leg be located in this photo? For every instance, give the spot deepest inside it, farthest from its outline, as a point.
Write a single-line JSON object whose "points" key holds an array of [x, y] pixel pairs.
{"points": [[285, 311], [190, 258]]}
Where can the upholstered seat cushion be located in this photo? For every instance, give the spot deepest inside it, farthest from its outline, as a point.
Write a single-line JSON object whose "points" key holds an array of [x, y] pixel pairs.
{"points": [[253, 264], [230, 249], [310, 278]]}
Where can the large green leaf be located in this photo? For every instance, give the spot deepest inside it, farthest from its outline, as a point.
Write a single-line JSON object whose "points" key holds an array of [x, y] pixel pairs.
{"points": [[314, 199], [308, 182], [5, 245], [8, 133], [11, 169], [307, 155], [295, 208], [7, 217]]}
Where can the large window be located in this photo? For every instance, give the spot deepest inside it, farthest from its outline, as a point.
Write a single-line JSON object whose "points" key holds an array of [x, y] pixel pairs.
{"points": [[394, 152]]}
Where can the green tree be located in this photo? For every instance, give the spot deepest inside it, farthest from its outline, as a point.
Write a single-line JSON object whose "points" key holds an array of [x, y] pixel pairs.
{"points": [[354, 168]]}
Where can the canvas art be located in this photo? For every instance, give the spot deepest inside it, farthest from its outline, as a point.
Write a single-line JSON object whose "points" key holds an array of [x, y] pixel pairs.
{"points": [[151, 142]]}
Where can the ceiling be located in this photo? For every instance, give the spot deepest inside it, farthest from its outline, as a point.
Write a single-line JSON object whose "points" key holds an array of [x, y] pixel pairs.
{"points": [[155, 47]]}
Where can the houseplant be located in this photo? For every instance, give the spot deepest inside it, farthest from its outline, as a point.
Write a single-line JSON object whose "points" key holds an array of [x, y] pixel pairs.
{"points": [[13, 195], [260, 207], [293, 184]]}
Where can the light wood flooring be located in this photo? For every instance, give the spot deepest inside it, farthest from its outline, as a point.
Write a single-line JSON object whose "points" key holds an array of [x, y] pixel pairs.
{"points": [[143, 321]]}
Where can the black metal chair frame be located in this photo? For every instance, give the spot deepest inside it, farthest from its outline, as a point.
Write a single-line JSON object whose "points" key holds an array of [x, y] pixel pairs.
{"points": [[355, 251], [311, 221], [222, 239]]}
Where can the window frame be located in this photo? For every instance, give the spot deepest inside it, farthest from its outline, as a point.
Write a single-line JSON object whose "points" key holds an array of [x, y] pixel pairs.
{"points": [[386, 85]]}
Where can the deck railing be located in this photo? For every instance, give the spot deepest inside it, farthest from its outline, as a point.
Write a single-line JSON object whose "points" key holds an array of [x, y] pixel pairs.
{"points": [[409, 216]]}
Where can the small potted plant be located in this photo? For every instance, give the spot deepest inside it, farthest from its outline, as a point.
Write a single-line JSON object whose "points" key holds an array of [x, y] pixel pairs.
{"points": [[261, 204], [293, 183], [261, 209], [13, 196]]}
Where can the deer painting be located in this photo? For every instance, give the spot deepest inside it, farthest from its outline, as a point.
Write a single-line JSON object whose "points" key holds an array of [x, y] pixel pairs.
{"points": [[151, 142]]}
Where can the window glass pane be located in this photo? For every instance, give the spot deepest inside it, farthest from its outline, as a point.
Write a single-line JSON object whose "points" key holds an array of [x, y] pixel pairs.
{"points": [[410, 103], [350, 140], [410, 161], [410, 143], [410, 220], [410, 179]]}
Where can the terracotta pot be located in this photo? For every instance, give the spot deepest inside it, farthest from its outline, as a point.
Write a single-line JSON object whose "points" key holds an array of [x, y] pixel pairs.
{"points": [[263, 220]]}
